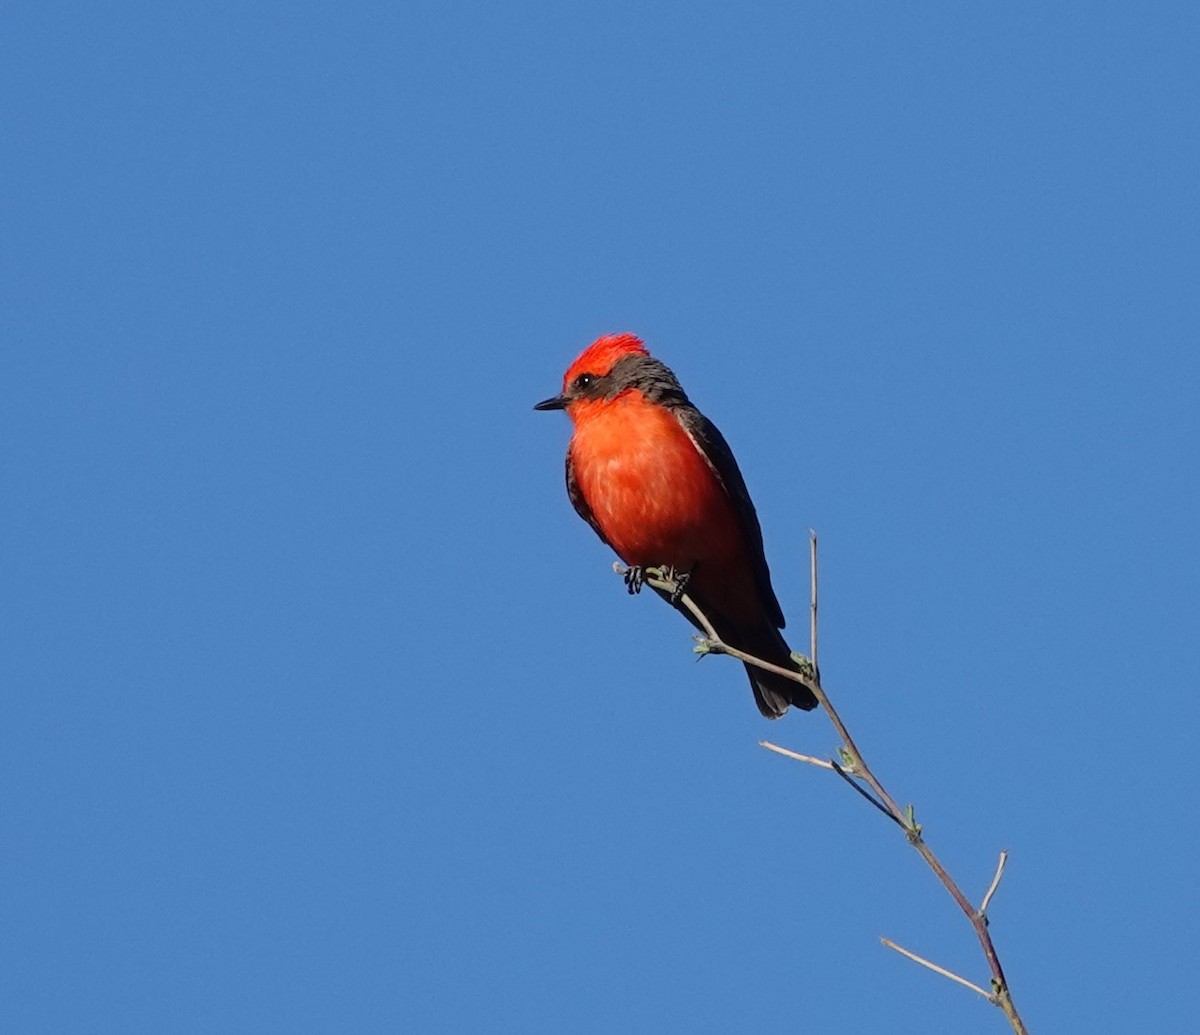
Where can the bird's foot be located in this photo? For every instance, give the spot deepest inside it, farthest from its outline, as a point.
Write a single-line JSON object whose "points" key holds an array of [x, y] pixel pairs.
{"points": [[635, 577], [680, 579]]}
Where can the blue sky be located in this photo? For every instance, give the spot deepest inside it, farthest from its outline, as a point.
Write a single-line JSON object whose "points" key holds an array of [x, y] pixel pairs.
{"points": [[322, 711]]}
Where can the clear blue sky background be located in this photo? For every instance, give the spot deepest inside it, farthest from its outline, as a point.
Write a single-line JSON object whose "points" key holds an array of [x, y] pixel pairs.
{"points": [[321, 710]]}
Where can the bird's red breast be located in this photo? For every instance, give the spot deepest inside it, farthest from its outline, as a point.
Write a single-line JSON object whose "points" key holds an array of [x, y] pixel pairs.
{"points": [[652, 492], [655, 496]]}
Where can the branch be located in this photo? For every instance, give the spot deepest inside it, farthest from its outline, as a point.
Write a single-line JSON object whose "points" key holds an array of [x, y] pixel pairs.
{"points": [[812, 606], [852, 769], [936, 969], [819, 762], [987, 898]]}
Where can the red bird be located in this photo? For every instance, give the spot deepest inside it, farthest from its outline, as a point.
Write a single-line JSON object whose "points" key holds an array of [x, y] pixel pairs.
{"points": [[657, 481]]}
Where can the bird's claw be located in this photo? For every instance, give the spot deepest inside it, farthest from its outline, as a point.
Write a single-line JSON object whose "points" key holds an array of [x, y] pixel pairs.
{"points": [[635, 577], [680, 579]]}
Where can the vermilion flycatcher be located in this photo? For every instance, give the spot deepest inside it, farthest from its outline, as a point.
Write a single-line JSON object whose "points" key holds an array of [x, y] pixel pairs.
{"points": [[657, 481]]}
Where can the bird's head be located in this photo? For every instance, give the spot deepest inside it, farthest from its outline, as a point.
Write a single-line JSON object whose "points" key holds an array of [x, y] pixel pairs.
{"points": [[607, 367]]}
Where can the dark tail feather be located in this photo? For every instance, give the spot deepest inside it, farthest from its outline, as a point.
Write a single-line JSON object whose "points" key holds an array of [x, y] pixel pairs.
{"points": [[773, 693]]}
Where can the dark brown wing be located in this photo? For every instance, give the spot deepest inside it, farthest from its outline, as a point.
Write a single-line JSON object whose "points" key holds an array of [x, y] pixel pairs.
{"points": [[713, 447], [575, 494]]}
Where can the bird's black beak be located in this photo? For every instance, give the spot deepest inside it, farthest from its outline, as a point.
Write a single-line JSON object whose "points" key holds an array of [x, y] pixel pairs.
{"points": [[558, 402]]}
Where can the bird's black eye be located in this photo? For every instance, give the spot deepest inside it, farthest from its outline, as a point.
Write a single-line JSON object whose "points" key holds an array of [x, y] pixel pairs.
{"points": [[583, 382]]}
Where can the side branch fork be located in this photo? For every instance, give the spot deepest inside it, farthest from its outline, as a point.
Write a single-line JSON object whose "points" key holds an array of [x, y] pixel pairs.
{"points": [[938, 970], [854, 770]]}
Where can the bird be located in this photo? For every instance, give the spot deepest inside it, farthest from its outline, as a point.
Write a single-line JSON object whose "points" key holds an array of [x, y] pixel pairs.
{"points": [[659, 484]]}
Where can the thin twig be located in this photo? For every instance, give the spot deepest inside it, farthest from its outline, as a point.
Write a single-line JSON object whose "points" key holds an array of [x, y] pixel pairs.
{"points": [[987, 898], [866, 794], [938, 970], [824, 764], [796, 755], [812, 602]]}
